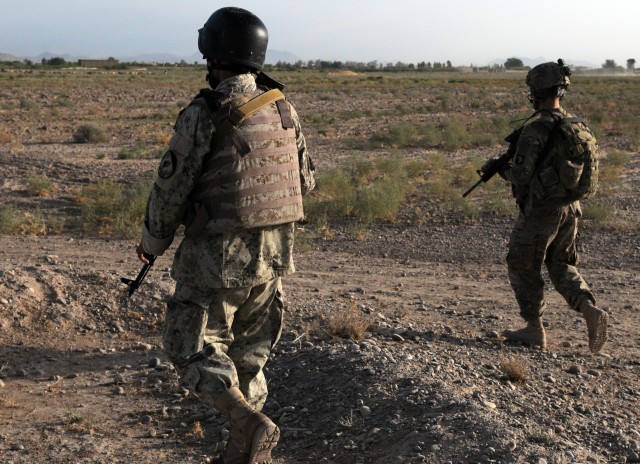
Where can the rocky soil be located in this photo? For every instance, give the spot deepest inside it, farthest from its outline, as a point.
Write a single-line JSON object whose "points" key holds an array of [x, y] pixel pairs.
{"points": [[83, 378]]}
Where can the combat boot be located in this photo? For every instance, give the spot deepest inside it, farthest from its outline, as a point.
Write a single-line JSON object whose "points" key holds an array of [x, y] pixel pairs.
{"points": [[532, 334], [234, 451], [259, 434], [597, 321]]}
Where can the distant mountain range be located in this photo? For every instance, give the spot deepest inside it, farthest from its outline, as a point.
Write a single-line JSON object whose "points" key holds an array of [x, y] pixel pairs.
{"points": [[273, 56]]}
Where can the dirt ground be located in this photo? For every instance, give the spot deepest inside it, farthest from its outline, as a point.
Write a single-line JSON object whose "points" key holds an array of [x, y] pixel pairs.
{"points": [[83, 378]]}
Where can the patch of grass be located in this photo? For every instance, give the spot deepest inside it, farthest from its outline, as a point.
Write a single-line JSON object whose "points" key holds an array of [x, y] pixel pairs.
{"points": [[348, 323], [88, 133], [598, 212], [73, 418], [56, 224], [14, 221], [9, 219], [514, 370], [39, 186], [367, 191], [27, 104], [137, 152], [112, 209]]}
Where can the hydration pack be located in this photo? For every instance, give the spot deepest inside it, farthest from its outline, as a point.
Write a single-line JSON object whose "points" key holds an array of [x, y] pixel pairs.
{"points": [[570, 170]]}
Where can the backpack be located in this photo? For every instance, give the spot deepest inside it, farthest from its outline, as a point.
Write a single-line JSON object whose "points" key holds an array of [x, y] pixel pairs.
{"points": [[570, 171]]}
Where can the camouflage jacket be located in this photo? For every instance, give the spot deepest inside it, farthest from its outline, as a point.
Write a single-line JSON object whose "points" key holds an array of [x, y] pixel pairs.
{"points": [[526, 160], [226, 260]]}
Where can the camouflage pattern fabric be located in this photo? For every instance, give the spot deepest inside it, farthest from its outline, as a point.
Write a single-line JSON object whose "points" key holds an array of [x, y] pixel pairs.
{"points": [[546, 236], [241, 325], [228, 292], [227, 260], [545, 232]]}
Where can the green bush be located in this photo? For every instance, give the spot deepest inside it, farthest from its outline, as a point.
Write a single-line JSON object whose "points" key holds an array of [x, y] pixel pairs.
{"points": [[111, 209], [14, 221], [88, 133], [365, 190], [139, 151], [9, 219], [39, 186]]}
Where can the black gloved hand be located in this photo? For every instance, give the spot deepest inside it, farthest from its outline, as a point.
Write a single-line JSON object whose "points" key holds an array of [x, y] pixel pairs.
{"points": [[488, 165]]}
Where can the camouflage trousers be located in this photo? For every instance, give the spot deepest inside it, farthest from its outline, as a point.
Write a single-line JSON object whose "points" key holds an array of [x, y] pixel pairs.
{"points": [[237, 327], [546, 236]]}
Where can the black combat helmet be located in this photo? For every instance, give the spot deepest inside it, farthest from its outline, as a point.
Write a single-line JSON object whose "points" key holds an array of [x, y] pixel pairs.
{"points": [[549, 79], [236, 36]]}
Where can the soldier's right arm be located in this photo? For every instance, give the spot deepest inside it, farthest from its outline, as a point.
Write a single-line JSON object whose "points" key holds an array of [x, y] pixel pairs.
{"points": [[307, 168], [177, 174]]}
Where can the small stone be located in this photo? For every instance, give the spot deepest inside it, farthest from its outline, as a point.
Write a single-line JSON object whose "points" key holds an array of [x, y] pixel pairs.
{"points": [[489, 404], [145, 419], [20, 372], [397, 337], [155, 362], [118, 391], [16, 447], [1, 384], [512, 445], [365, 411], [575, 369], [566, 344]]}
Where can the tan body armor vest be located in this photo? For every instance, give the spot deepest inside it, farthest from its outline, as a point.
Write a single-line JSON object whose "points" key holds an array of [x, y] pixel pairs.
{"points": [[251, 177]]}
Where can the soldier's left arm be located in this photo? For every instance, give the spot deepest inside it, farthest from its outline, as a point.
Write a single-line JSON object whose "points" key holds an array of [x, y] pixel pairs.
{"points": [[528, 149], [177, 174]]}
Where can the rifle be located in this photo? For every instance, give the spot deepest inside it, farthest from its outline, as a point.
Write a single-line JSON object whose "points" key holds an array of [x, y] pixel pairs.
{"points": [[493, 168], [134, 284]]}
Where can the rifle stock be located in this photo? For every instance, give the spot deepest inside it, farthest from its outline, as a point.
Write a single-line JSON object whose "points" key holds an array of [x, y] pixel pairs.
{"points": [[134, 284]]}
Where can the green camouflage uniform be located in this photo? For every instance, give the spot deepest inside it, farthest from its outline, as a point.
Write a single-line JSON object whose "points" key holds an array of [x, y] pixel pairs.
{"points": [[546, 230], [228, 291]]}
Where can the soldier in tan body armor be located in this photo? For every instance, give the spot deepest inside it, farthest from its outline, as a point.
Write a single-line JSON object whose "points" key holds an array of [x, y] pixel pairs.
{"points": [[554, 166], [234, 174]]}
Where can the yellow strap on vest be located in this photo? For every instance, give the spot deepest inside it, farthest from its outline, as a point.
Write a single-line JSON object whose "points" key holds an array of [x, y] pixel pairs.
{"points": [[244, 111]]}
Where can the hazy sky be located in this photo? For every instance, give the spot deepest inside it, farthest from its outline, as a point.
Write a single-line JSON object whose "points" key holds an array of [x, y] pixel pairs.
{"points": [[462, 31]]}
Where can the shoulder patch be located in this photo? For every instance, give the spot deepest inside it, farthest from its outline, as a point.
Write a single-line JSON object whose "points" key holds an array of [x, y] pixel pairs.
{"points": [[168, 165]]}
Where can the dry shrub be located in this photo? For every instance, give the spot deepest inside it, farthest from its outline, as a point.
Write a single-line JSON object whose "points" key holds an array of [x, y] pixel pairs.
{"points": [[88, 133], [348, 323], [162, 138], [196, 432], [514, 370], [39, 186]]}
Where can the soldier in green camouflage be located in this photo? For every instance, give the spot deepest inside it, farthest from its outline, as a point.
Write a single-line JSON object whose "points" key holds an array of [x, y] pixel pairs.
{"points": [[234, 174], [554, 166]]}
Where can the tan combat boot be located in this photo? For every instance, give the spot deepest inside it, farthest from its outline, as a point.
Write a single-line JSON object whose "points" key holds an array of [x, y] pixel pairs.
{"points": [[597, 321], [532, 334], [260, 434]]}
